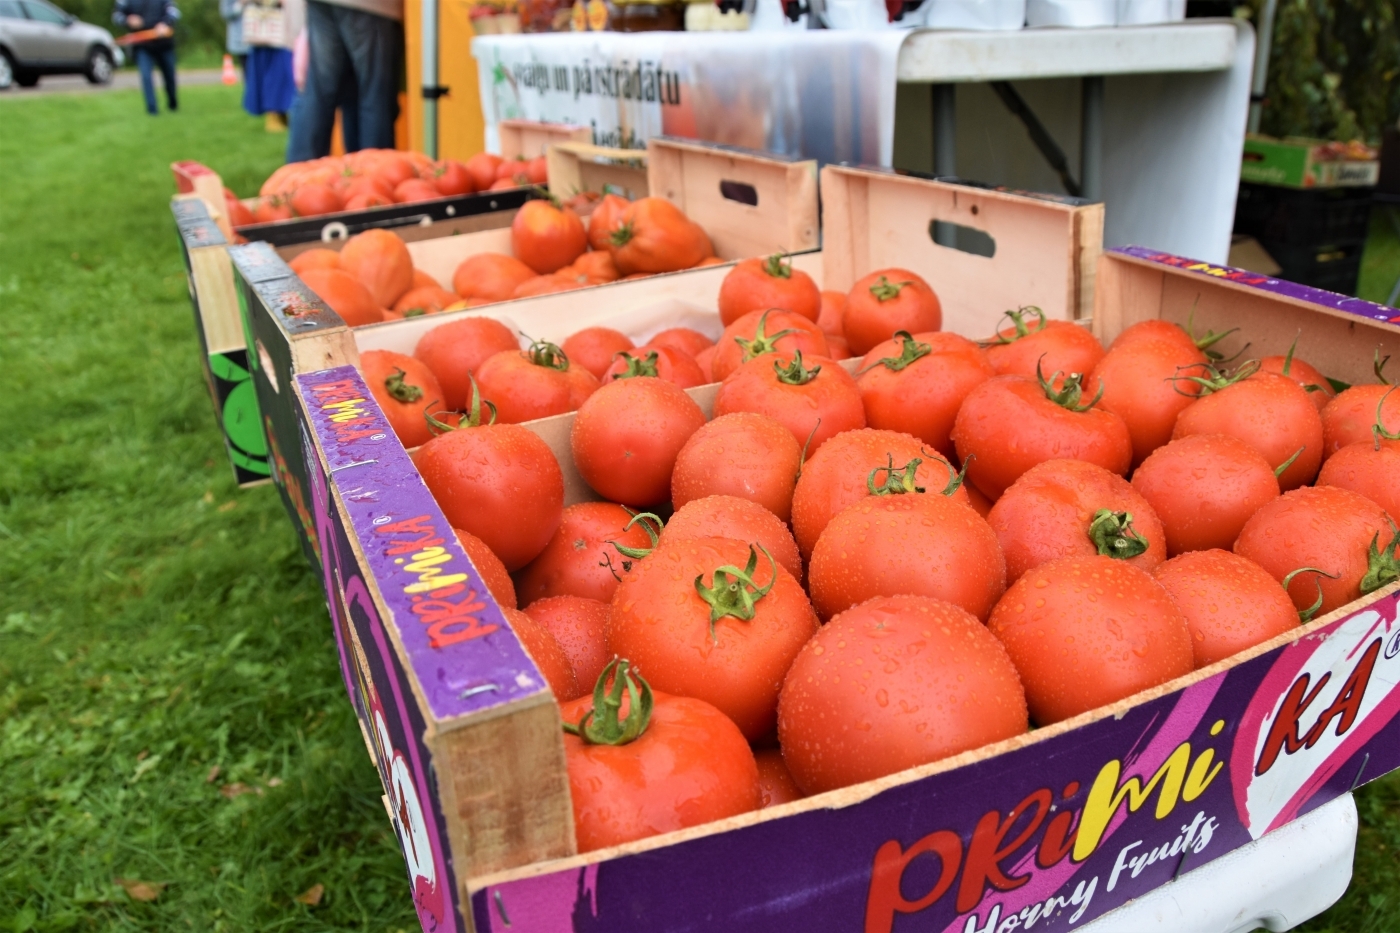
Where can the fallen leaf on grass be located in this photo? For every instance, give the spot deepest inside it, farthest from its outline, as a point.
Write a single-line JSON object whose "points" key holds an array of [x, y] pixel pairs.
{"points": [[141, 890], [213, 774], [312, 895], [238, 789], [274, 782], [229, 506]]}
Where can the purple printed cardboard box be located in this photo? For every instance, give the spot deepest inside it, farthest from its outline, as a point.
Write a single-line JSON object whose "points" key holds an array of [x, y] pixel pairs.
{"points": [[1042, 832]]}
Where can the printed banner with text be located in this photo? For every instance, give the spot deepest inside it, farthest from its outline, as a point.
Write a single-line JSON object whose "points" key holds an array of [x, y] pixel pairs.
{"points": [[816, 94]]}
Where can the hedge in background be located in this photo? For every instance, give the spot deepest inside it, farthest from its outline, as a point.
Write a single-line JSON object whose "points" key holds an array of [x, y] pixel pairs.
{"points": [[1335, 68]]}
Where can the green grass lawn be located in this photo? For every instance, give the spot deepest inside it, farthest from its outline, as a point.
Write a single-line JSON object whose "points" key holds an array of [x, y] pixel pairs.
{"points": [[171, 710], [163, 644]]}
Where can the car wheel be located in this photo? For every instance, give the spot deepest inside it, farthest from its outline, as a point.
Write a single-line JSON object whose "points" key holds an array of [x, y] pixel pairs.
{"points": [[7, 71], [99, 67], [26, 78]]}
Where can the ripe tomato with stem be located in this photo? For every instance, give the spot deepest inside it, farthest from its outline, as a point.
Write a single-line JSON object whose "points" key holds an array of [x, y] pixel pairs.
{"points": [[916, 384], [499, 482], [642, 762], [815, 402], [708, 618], [1010, 423]]}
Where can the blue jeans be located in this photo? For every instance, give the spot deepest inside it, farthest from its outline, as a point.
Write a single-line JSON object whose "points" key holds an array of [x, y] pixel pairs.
{"points": [[162, 57], [356, 62]]}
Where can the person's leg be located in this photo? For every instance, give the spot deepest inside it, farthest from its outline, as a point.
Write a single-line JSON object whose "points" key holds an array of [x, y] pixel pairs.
{"points": [[350, 113], [166, 59], [313, 115], [375, 46], [143, 65]]}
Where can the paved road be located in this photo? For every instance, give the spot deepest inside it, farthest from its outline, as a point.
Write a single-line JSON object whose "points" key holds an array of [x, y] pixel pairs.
{"points": [[124, 79]]}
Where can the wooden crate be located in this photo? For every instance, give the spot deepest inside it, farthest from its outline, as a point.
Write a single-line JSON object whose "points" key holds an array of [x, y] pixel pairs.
{"points": [[1055, 827], [530, 139], [288, 341], [576, 167]]}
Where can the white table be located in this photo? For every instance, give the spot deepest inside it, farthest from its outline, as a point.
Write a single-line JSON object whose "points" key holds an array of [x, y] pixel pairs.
{"points": [[1151, 119]]}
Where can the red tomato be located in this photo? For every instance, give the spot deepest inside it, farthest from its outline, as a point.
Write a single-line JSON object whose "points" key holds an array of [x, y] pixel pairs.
{"points": [[544, 650], [536, 383], [513, 169], [580, 559], [579, 626], [426, 299], [537, 170], [1008, 424], [627, 435], [763, 284], [488, 566], [405, 389], [596, 267], [916, 384], [499, 482], [482, 168], [921, 545], [658, 362], [1069, 508], [345, 296], [1373, 470], [1268, 412], [832, 317], [760, 332], [775, 783], [548, 285], [272, 208], [1331, 529], [315, 200], [381, 261], [654, 235], [237, 211], [1054, 346], [742, 454], [315, 258], [451, 178], [850, 466], [704, 359], [1304, 373], [1350, 417], [414, 190], [547, 238], [732, 517], [605, 220], [509, 184], [727, 640], [688, 766], [941, 685], [885, 302], [837, 347], [1230, 603], [1156, 329], [593, 348], [1204, 488], [456, 350], [1144, 384], [1088, 631], [684, 339], [815, 401]]}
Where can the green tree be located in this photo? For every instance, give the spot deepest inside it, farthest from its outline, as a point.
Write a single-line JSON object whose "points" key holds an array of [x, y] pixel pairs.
{"points": [[1334, 71]]}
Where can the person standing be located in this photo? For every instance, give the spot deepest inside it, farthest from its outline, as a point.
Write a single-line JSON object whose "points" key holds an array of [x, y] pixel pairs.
{"points": [[356, 60], [159, 16], [232, 12], [269, 86]]}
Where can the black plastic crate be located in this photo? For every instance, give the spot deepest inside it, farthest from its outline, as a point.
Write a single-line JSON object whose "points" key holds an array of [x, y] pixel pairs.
{"points": [[1303, 217], [1334, 267]]}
